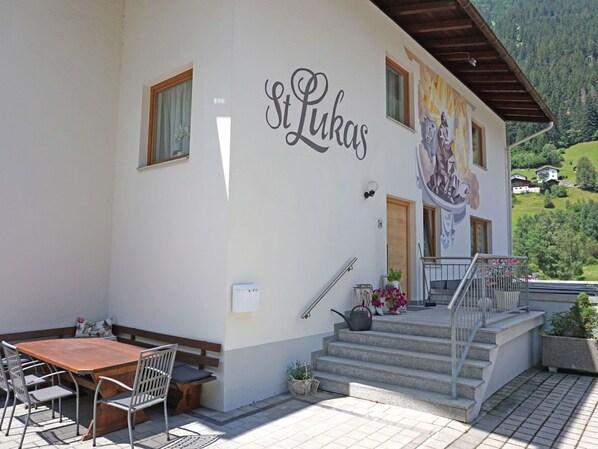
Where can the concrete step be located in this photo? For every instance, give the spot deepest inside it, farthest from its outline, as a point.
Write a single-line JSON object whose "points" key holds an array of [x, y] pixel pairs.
{"points": [[399, 376], [415, 343], [425, 401], [408, 359], [390, 324]]}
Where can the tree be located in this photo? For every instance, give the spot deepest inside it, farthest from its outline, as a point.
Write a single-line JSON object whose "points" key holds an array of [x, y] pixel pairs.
{"points": [[548, 204], [586, 174]]}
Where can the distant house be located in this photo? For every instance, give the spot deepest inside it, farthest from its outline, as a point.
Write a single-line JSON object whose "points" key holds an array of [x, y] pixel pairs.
{"points": [[520, 184], [548, 173], [525, 189]]}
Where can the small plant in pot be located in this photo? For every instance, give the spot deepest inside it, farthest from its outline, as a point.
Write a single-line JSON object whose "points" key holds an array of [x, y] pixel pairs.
{"points": [[394, 277], [571, 342], [378, 301], [301, 379], [395, 300], [391, 298]]}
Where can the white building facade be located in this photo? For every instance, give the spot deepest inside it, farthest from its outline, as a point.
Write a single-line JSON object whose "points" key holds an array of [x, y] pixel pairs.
{"points": [[288, 127], [547, 173]]}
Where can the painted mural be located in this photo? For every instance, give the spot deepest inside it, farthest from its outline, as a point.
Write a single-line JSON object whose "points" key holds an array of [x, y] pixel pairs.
{"points": [[444, 175]]}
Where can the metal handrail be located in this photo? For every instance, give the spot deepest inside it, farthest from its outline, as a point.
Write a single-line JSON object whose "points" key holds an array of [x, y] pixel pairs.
{"points": [[348, 267], [471, 305]]}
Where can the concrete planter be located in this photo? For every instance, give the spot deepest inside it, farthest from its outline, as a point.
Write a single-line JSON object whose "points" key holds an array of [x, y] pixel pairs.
{"points": [[577, 354], [506, 301], [303, 387]]}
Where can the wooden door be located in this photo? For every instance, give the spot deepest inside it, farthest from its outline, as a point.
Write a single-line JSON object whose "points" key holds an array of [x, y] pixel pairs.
{"points": [[397, 238]]}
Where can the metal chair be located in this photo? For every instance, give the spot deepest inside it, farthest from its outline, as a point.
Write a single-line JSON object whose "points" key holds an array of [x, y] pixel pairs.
{"points": [[150, 387], [5, 383], [19, 387]]}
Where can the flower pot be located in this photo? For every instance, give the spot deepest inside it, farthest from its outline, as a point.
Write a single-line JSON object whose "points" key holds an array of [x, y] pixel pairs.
{"points": [[485, 304], [396, 284], [303, 387], [506, 301]]}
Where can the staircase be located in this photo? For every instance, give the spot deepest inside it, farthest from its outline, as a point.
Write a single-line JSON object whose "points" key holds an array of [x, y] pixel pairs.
{"points": [[408, 364]]}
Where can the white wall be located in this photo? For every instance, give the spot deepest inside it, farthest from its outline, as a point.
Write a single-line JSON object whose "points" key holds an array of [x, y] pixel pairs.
{"points": [[58, 103], [168, 266], [297, 215]]}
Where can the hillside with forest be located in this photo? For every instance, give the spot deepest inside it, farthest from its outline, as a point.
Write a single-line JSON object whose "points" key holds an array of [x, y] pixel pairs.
{"points": [[556, 45]]}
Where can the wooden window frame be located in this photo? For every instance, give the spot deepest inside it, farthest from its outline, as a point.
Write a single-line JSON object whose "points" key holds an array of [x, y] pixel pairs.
{"points": [[480, 128], [154, 91], [487, 227], [393, 65], [433, 247]]}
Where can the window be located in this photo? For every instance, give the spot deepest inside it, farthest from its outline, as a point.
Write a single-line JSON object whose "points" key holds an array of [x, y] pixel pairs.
{"points": [[479, 236], [397, 93], [170, 119], [477, 145], [429, 231]]}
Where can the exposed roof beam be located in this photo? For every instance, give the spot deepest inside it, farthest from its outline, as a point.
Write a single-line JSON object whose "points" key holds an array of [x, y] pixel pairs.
{"points": [[523, 118], [503, 88], [455, 42], [441, 25], [465, 67], [421, 7], [490, 79], [522, 98], [465, 55], [511, 105]]}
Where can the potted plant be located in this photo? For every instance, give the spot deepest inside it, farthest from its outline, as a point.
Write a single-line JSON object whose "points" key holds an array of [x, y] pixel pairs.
{"points": [[378, 301], [501, 276], [571, 342], [301, 379], [394, 277], [394, 299], [391, 298]]}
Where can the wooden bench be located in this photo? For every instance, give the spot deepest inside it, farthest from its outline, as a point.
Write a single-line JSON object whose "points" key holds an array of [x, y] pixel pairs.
{"points": [[59, 332], [184, 394]]}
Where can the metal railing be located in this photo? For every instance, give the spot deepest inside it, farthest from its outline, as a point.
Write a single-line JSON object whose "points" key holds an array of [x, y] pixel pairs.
{"points": [[348, 267], [441, 277], [491, 287]]}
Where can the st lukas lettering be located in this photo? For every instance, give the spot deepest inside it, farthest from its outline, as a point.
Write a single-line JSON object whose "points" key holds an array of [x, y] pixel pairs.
{"points": [[297, 111]]}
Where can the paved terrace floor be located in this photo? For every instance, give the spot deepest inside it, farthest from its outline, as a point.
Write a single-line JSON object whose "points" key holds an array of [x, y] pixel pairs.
{"points": [[538, 409]]}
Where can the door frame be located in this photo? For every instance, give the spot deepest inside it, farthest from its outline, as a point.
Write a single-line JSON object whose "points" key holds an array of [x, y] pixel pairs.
{"points": [[409, 205]]}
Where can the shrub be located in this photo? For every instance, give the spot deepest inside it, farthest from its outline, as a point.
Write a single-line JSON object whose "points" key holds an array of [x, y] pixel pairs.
{"points": [[580, 321], [559, 191], [548, 204], [300, 370]]}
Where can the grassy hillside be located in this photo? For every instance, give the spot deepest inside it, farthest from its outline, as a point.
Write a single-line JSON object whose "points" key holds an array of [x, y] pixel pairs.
{"points": [[532, 203]]}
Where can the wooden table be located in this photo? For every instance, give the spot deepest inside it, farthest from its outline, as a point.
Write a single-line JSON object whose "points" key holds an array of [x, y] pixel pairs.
{"points": [[88, 359]]}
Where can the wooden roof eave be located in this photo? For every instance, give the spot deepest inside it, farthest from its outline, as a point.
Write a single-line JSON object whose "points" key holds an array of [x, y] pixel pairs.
{"points": [[455, 34], [495, 43]]}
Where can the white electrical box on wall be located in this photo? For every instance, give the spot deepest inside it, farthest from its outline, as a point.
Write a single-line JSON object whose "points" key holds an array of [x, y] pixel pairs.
{"points": [[246, 298]]}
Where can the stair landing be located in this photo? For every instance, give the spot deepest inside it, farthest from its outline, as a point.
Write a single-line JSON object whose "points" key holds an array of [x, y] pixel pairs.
{"points": [[405, 360]]}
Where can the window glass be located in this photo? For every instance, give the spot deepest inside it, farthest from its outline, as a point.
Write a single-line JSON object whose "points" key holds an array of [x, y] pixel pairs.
{"points": [[170, 119], [397, 93], [479, 236], [429, 232], [477, 145]]}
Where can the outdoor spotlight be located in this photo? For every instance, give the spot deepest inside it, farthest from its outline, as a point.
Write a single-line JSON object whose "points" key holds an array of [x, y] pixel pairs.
{"points": [[472, 61], [370, 189]]}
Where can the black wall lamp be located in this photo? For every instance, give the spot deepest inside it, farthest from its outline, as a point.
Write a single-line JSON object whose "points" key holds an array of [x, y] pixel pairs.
{"points": [[370, 189]]}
